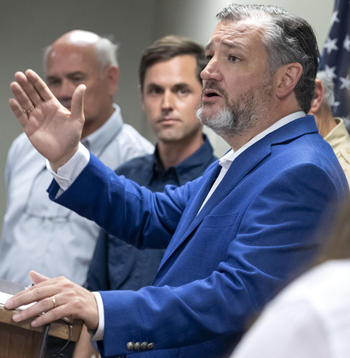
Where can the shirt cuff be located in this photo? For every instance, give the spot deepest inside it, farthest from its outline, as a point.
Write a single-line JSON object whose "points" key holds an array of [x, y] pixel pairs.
{"points": [[66, 174], [98, 335]]}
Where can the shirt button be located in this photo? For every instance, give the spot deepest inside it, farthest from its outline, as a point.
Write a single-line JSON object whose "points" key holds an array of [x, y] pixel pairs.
{"points": [[150, 346], [137, 346], [130, 346], [144, 345]]}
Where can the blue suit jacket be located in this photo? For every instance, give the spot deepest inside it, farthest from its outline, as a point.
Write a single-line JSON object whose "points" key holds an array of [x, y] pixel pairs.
{"points": [[222, 265]]}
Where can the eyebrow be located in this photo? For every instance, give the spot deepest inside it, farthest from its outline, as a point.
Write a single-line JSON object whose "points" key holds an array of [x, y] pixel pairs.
{"points": [[226, 44], [176, 85], [70, 74], [152, 84]]}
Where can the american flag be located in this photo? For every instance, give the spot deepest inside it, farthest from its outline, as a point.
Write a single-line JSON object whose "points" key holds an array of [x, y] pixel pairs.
{"points": [[336, 58]]}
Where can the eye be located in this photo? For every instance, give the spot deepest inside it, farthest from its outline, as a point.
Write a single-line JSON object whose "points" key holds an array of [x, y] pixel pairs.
{"points": [[233, 59], [209, 57], [183, 91], [77, 78], [154, 91], [53, 82]]}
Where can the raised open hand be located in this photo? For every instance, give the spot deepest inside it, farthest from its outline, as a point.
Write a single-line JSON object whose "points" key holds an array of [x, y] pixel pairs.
{"points": [[52, 129]]}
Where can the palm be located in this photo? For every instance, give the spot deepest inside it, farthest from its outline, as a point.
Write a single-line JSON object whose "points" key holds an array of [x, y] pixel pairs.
{"points": [[52, 129]]}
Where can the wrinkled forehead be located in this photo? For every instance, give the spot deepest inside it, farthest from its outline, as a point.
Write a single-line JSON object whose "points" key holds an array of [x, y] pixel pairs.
{"points": [[239, 33], [69, 57]]}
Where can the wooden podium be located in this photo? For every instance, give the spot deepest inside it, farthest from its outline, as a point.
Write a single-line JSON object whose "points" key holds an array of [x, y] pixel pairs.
{"points": [[21, 340]]}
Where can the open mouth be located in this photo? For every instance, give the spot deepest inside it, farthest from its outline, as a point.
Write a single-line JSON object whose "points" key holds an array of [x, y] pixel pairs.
{"points": [[212, 94], [209, 93]]}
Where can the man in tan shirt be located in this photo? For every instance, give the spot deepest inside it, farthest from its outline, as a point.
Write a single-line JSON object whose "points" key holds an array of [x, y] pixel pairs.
{"points": [[333, 130]]}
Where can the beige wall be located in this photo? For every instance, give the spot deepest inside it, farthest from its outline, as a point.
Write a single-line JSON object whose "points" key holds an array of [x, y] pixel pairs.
{"points": [[28, 26]]}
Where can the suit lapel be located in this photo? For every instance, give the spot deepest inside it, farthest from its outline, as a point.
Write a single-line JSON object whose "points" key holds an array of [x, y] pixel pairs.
{"points": [[193, 207], [239, 168], [237, 171]]}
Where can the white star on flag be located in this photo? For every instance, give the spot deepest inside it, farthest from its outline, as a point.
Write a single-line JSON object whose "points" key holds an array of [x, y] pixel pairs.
{"points": [[345, 83], [334, 17], [330, 71], [330, 45], [346, 44], [336, 55]]}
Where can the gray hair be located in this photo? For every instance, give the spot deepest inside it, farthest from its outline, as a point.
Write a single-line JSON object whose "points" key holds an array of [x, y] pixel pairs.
{"points": [[287, 39], [328, 86], [105, 50]]}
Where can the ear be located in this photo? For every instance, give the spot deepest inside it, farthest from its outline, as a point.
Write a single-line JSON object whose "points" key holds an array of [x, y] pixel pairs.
{"points": [[287, 78], [112, 77], [318, 97]]}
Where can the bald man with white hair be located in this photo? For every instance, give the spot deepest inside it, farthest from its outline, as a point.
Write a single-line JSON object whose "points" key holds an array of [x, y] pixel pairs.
{"points": [[36, 232]]}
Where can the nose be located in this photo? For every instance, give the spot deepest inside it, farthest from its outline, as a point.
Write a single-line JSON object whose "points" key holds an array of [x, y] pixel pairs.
{"points": [[66, 90], [167, 101], [212, 71]]}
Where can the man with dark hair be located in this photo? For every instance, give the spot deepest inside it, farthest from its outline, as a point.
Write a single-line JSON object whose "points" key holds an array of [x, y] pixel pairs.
{"points": [[233, 236], [170, 91]]}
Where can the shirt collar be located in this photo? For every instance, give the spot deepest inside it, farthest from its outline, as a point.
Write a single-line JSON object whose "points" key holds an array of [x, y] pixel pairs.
{"points": [[194, 164], [190, 167], [231, 155], [97, 141]]}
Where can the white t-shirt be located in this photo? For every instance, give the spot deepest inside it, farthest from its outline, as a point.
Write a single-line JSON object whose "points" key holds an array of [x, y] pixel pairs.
{"points": [[310, 318]]}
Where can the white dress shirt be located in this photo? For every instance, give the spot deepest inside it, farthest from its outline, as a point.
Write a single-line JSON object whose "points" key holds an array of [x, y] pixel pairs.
{"points": [[41, 235]]}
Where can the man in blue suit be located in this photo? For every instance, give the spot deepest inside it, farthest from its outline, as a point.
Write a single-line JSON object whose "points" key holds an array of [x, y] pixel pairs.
{"points": [[233, 236]]}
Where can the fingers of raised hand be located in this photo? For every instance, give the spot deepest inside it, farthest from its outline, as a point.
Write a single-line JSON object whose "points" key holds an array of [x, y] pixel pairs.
{"points": [[78, 101], [22, 105], [18, 111], [29, 89], [39, 85]]}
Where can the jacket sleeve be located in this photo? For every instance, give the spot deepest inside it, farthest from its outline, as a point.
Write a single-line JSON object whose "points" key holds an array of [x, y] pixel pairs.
{"points": [[123, 208]]}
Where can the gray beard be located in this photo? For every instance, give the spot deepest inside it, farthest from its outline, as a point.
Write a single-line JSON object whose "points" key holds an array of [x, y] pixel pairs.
{"points": [[240, 115], [225, 123]]}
